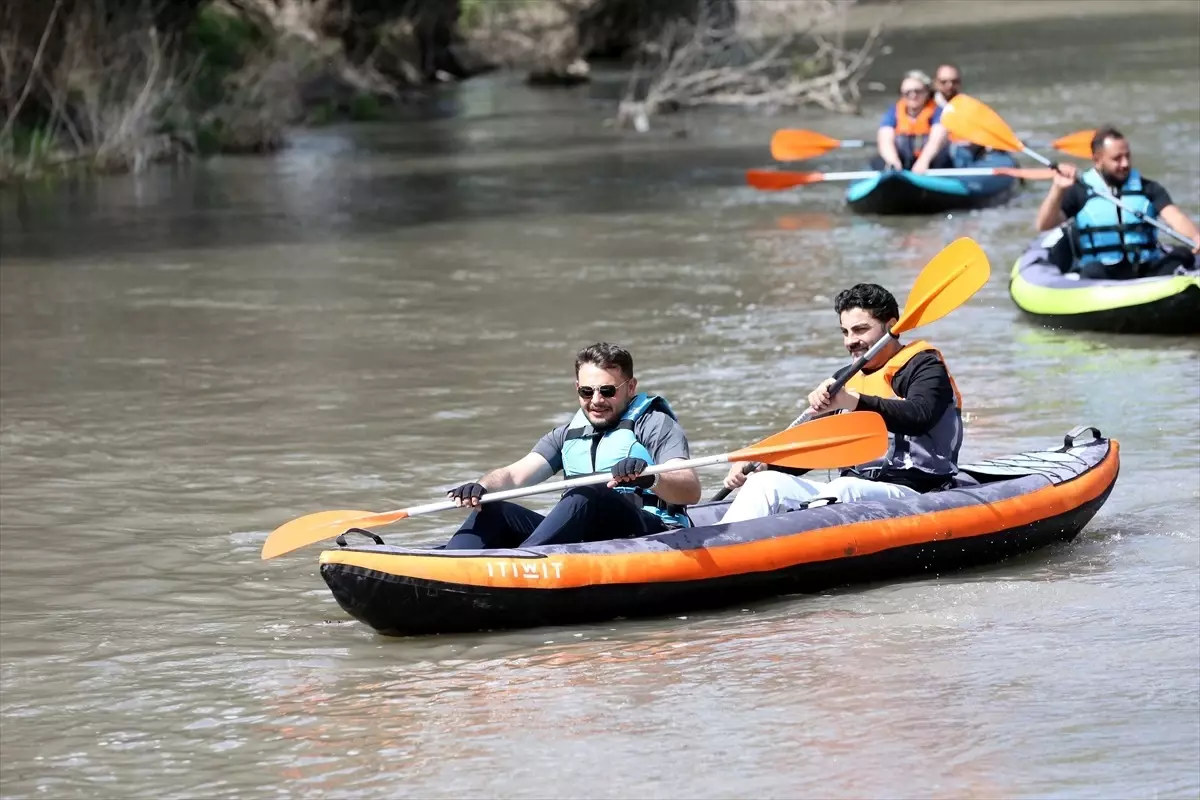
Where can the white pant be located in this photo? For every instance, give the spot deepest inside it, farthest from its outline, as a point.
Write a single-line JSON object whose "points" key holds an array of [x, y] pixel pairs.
{"points": [[769, 492]]}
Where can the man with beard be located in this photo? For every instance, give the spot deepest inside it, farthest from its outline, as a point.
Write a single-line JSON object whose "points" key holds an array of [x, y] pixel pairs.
{"points": [[615, 430], [908, 385], [1109, 242], [947, 80]]}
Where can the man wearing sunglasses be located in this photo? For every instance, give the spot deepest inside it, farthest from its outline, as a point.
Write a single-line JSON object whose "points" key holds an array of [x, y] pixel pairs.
{"points": [[615, 430], [948, 82], [908, 385], [947, 79], [910, 134]]}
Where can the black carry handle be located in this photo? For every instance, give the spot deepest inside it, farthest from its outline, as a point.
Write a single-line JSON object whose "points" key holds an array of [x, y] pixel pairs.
{"points": [[341, 539], [834, 388]]}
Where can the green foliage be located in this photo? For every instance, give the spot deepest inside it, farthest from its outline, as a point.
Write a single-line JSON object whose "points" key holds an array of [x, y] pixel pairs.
{"points": [[222, 42], [321, 113], [805, 67], [209, 136], [35, 144], [365, 108], [29, 152], [360, 108], [471, 13]]}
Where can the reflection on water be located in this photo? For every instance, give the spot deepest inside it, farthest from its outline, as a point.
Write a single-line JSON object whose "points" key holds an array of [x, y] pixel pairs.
{"points": [[191, 357]]}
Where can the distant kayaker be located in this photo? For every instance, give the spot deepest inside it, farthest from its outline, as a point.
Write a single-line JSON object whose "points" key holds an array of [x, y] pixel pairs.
{"points": [[910, 133], [1108, 242], [947, 79], [615, 430], [908, 385]]}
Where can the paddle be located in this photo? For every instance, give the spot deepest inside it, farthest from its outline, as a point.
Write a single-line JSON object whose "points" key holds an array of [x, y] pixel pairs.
{"points": [[796, 145], [777, 180], [946, 282], [1078, 144], [968, 118], [833, 442]]}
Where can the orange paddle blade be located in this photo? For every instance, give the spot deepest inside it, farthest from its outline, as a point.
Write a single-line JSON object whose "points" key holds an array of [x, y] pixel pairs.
{"points": [[792, 145], [1078, 144], [770, 180], [840, 440], [321, 525], [964, 117], [957, 272]]}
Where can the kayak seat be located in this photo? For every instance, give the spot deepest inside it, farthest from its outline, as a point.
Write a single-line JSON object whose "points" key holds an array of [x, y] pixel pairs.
{"points": [[704, 514], [964, 480]]}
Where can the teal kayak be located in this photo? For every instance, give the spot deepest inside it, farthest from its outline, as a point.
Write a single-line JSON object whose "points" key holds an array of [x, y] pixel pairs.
{"points": [[904, 192]]}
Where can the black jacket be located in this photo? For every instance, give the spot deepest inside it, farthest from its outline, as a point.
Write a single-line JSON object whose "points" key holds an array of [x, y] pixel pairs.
{"points": [[925, 386]]}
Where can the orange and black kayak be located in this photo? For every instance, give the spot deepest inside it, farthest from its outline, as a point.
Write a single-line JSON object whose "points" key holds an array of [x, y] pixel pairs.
{"points": [[998, 508]]}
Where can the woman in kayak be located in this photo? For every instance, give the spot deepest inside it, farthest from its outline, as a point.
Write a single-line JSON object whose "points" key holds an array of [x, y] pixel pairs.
{"points": [[910, 134]]}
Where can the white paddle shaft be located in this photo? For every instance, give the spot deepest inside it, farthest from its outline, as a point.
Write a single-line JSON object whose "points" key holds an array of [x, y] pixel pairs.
{"points": [[963, 172], [570, 483]]}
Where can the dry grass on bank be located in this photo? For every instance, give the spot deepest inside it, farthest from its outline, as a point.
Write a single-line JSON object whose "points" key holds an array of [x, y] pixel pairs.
{"points": [[115, 94]]}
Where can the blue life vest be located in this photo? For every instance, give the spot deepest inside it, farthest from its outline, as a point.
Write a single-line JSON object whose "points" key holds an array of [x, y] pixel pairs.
{"points": [[585, 452], [1111, 235]]}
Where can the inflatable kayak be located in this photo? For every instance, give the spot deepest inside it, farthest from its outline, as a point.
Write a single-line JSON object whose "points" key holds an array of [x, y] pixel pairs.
{"points": [[908, 193], [999, 508], [1167, 304]]}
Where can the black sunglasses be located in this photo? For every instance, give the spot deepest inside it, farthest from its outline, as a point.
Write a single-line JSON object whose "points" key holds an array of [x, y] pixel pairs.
{"points": [[607, 390]]}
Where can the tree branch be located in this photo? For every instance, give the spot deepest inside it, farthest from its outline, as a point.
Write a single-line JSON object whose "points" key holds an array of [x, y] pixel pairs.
{"points": [[37, 61], [696, 64]]}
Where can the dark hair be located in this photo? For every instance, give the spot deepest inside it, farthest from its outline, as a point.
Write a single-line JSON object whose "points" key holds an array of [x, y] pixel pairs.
{"points": [[1103, 135], [605, 356], [870, 297]]}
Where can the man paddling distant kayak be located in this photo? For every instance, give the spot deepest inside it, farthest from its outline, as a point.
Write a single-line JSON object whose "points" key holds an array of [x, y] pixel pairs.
{"points": [[947, 79], [1108, 242], [908, 385], [615, 430]]}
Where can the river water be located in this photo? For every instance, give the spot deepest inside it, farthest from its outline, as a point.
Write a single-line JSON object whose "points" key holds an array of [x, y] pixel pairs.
{"points": [[193, 356]]}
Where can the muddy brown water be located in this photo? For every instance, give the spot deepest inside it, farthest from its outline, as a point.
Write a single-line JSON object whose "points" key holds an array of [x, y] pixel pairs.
{"points": [[193, 356]]}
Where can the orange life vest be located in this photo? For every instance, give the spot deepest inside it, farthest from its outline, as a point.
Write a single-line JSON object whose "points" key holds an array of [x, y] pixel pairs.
{"points": [[916, 129], [879, 382], [934, 452]]}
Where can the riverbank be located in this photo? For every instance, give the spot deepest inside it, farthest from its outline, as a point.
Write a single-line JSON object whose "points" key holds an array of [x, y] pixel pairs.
{"points": [[231, 78], [111, 86], [937, 15], [115, 87]]}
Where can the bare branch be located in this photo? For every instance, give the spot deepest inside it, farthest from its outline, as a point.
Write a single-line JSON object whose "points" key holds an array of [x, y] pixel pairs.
{"points": [[37, 60], [761, 61]]}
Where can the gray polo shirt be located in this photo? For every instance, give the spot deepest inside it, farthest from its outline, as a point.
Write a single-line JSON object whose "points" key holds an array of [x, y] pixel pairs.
{"points": [[656, 430]]}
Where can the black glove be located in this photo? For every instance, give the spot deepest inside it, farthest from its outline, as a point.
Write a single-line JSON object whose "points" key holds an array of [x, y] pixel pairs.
{"points": [[469, 493], [631, 467]]}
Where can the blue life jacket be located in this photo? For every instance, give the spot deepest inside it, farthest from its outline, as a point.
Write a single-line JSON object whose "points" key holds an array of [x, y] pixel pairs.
{"points": [[585, 452], [1111, 235]]}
